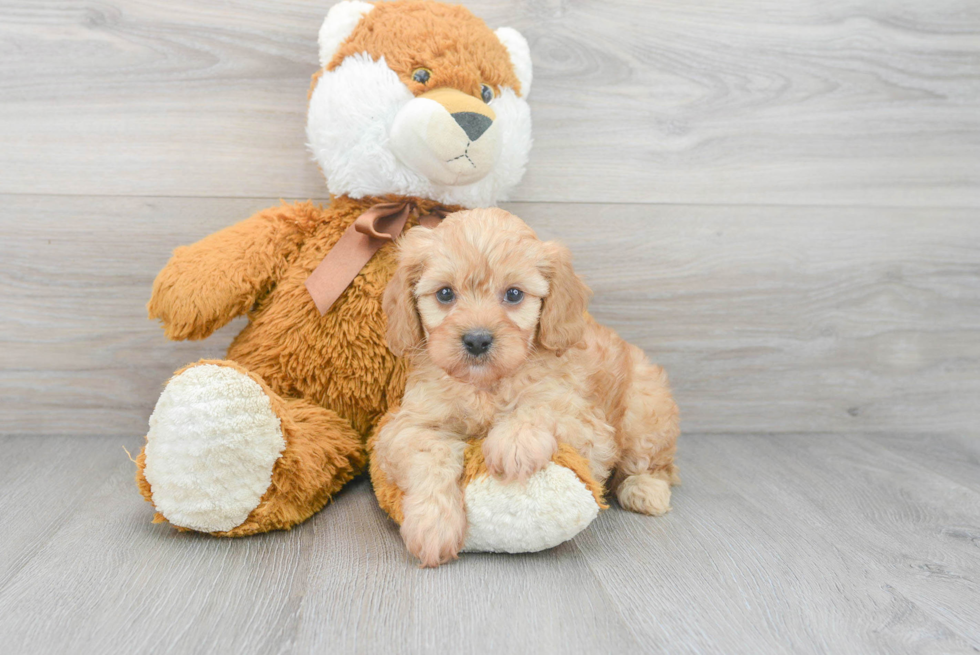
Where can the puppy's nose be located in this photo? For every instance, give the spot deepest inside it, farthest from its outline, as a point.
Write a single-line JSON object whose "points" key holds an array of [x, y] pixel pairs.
{"points": [[477, 342], [473, 124]]}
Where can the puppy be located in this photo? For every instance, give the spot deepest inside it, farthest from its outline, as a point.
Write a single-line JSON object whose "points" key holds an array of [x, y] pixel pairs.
{"points": [[501, 348]]}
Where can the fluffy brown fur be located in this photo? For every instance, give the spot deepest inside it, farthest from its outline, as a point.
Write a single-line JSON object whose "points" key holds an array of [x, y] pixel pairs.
{"points": [[329, 378], [551, 377], [449, 41]]}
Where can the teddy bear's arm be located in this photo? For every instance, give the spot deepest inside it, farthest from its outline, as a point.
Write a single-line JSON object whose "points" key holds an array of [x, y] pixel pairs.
{"points": [[208, 283]]}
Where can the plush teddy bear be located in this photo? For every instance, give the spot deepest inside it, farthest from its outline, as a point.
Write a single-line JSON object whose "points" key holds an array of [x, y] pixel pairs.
{"points": [[418, 110]]}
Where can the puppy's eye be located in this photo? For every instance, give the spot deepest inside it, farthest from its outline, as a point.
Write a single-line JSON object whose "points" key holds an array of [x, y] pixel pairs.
{"points": [[445, 295], [486, 93], [513, 296], [421, 75]]}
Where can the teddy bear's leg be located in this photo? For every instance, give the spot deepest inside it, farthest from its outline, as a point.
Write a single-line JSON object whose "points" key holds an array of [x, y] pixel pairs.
{"points": [[555, 504], [227, 455]]}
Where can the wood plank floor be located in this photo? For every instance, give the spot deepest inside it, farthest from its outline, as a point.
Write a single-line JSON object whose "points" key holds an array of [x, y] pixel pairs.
{"points": [[788, 543], [777, 200]]}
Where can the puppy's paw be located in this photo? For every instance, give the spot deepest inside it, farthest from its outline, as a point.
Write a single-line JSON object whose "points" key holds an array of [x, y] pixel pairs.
{"points": [[645, 494], [434, 529], [516, 452]]}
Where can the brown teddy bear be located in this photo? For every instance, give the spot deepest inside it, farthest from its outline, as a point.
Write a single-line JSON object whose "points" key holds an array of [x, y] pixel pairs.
{"points": [[418, 110]]}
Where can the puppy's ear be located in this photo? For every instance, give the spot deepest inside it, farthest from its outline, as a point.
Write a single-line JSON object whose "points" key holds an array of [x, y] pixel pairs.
{"points": [[404, 327], [562, 323]]}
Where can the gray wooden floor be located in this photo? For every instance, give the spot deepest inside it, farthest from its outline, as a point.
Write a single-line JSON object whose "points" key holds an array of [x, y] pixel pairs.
{"points": [[836, 543], [779, 201]]}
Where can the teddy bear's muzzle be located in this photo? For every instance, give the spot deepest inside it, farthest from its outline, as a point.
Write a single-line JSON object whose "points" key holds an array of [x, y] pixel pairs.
{"points": [[448, 136]]}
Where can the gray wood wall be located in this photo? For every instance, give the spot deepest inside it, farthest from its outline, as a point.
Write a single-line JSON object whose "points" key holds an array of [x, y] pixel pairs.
{"points": [[777, 200]]}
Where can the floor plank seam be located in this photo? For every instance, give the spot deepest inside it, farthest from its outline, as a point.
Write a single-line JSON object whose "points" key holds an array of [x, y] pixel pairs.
{"points": [[515, 201]]}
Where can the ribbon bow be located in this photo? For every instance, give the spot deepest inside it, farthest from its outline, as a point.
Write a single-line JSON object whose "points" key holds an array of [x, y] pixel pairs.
{"points": [[366, 235]]}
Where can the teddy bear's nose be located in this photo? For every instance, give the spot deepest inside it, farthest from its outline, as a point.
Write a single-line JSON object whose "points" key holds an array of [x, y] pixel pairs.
{"points": [[477, 342], [473, 124]]}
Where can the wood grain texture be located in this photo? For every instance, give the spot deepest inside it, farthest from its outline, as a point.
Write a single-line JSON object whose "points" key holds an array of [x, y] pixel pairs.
{"points": [[788, 543], [845, 102], [804, 543], [777, 200], [28, 469], [769, 319]]}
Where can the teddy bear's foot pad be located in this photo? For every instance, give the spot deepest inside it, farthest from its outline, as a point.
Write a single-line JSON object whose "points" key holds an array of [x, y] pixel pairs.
{"points": [[211, 448], [511, 518]]}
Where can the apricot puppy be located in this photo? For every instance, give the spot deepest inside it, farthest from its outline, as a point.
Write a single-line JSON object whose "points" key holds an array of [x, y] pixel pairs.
{"points": [[502, 349]]}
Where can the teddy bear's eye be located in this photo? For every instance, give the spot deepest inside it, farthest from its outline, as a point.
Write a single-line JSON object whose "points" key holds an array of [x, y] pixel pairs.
{"points": [[445, 295], [486, 93], [513, 296], [421, 75]]}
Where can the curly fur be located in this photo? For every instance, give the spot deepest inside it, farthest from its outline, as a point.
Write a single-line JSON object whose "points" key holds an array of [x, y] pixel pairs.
{"points": [[552, 377]]}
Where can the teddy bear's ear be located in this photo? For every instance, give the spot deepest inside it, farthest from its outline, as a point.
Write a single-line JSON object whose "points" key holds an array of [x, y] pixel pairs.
{"points": [[341, 20], [520, 56]]}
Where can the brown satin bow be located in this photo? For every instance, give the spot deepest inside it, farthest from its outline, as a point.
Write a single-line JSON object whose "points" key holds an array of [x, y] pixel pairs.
{"points": [[371, 230]]}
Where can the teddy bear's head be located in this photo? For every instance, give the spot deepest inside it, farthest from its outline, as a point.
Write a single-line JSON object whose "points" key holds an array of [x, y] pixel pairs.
{"points": [[418, 98]]}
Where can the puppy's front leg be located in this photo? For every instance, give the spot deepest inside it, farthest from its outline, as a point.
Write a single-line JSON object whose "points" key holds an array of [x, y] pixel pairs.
{"points": [[427, 465], [518, 447]]}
